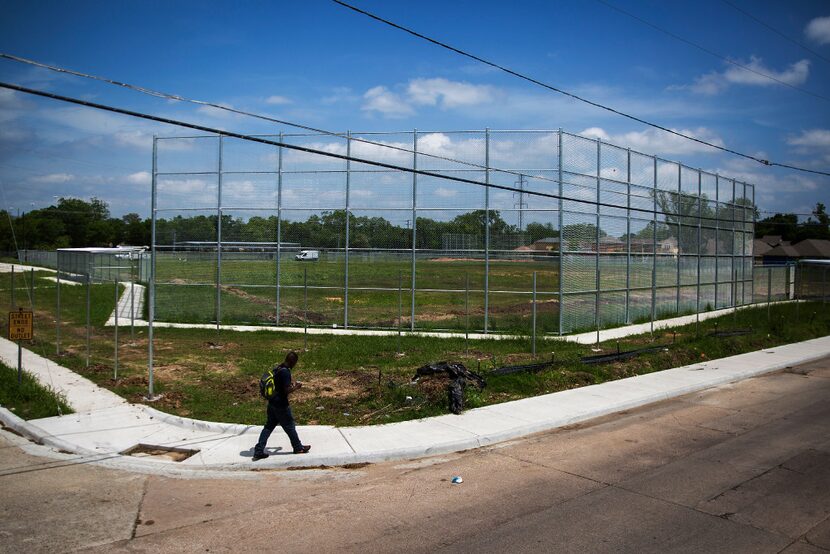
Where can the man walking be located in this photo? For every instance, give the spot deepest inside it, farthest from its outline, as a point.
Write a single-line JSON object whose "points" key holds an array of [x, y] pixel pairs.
{"points": [[279, 412]]}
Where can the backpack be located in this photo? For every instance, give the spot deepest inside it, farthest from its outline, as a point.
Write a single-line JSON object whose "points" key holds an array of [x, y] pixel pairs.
{"points": [[268, 383]]}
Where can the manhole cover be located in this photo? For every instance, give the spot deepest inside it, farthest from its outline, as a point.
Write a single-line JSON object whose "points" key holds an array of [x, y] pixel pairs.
{"points": [[166, 452]]}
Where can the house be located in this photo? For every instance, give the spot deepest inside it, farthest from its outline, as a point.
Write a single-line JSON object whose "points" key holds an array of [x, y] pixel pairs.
{"points": [[546, 244], [809, 248]]}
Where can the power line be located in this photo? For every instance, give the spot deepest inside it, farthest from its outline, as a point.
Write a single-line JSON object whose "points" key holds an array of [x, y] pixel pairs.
{"points": [[324, 153], [572, 95], [710, 52], [171, 96], [774, 30]]}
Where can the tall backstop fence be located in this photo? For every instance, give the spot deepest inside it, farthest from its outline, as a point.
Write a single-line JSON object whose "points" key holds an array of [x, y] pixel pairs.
{"points": [[479, 230]]}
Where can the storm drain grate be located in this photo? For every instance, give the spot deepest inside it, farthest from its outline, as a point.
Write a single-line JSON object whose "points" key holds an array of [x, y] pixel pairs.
{"points": [[172, 453]]}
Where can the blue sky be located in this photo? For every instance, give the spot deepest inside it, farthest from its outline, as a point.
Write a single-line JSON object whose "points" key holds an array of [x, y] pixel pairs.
{"points": [[319, 64]]}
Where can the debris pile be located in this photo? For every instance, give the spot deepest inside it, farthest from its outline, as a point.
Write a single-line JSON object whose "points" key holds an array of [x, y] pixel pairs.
{"points": [[459, 374]]}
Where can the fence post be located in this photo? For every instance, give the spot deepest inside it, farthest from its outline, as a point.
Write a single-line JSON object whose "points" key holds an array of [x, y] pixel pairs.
{"points": [[414, 226], [597, 321], [87, 318], [151, 293], [769, 290], [132, 299], [279, 230], [115, 369], [486, 230], [561, 243], [628, 238], [219, 238], [348, 216], [400, 307], [58, 311], [654, 250], [32, 289], [14, 299], [533, 307]]}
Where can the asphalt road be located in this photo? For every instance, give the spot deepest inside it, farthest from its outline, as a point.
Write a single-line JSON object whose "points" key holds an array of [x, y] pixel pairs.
{"points": [[741, 468]]}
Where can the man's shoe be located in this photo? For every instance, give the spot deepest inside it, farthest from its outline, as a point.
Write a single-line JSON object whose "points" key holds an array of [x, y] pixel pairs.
{"points": [[303, 449], [260, 455]]}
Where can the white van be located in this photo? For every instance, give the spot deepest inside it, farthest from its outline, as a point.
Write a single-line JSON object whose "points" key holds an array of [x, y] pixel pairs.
{"points": [[308, 255]]}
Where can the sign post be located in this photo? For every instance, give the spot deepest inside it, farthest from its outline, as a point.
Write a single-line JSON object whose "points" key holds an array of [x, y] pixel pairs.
{"points": [[20, 329]]}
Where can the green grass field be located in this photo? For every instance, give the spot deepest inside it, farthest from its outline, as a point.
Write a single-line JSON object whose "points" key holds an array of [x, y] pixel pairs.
{"points": [[355, 380]]}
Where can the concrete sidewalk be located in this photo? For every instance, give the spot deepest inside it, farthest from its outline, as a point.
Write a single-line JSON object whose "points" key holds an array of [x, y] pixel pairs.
{"points": [[106, 425]]}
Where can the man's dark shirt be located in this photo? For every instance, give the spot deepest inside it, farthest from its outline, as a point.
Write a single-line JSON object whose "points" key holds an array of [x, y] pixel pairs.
{"points": [[282, 380]]}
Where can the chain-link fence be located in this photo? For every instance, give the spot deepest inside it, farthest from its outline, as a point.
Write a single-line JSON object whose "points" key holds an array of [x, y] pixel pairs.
{"points": [[442, 230]]}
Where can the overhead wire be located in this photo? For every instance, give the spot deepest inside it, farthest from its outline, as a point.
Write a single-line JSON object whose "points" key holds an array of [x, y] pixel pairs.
{"points": [[229, 109], [344, 157], [710, 51], [573, 95], [776, 31]]}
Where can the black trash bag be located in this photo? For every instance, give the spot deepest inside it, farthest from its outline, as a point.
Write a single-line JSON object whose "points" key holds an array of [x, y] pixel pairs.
{"points": [[455, 391], [459, 375], [453, 370]]}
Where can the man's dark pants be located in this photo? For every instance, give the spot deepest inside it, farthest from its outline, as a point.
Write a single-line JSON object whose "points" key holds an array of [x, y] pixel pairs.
{"points": [[282, 416]]}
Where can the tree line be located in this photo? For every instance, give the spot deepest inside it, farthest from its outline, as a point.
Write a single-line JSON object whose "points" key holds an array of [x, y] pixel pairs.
{"points": [[73, 222]]}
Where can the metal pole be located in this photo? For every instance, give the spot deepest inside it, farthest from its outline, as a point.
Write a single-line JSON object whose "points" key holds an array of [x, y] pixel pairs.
{"points": [[769, 290], [718, 215], [824, 285], [414, 225], [58, 307], [348, 216], [132, 300], [400, 307], [486, 230], [533, 307], [14, 300], [679, 236], [654, 251], [699, 248], [115, 369], [87, 318], [628, 237], [596, 262], [219, 239], [32, 289], [19, 364], [151, 297], [279, 229], [561, 241]]}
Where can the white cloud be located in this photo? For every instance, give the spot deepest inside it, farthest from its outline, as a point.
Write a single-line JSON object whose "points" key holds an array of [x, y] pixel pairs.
{"points": [[53, 178], [814, 143], [438, 92], [715, 82], [445, 192], [814, 138], [277, 100], [655, 141], [139, 178], [382, 100], [448, 94], [818, 30]]}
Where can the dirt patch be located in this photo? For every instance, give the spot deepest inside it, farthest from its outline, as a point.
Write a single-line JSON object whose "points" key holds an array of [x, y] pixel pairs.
{"points": [[346, 385], [334, 299], [246, 295], [224, 346]]}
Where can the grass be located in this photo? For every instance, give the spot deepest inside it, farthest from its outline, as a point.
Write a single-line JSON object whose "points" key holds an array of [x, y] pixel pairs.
{"points": [[29, 400], [358, 380]]}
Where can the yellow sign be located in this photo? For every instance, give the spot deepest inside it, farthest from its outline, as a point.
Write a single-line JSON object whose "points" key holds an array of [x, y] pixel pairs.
{"points": [[20, 325]]}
